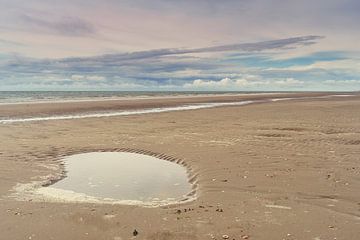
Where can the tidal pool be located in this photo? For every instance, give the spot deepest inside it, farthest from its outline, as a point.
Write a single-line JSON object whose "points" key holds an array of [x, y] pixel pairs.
{"points": [[123, 177]]}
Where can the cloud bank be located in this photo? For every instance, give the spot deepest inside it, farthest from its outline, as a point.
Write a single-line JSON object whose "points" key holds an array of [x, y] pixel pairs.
{"points": [[179, 45], [225, 67]]}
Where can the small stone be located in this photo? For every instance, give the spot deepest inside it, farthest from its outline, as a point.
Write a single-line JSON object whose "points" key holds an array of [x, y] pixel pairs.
{"points": [[245, 237], [225, 236], [178, 211], [135, 233]]}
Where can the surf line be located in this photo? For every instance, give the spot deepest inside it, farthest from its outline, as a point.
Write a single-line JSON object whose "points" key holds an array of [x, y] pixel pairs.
{"points": [[150, 110]]}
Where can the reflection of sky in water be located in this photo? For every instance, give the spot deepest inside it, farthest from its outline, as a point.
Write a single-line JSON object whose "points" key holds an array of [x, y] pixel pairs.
{"points": [[124, 176]]}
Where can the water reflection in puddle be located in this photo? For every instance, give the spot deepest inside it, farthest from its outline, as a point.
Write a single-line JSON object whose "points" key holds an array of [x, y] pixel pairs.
{"points": [[124, 176]]}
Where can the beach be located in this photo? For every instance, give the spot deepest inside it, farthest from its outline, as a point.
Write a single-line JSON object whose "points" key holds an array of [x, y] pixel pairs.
{"points": [[270, 169]]}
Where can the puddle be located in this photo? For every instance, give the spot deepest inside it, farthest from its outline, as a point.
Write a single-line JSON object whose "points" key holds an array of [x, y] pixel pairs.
{"points": [[118, 177]]}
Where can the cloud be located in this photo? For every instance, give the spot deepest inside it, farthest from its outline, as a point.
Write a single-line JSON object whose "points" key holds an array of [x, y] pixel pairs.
{"points": [[254, 68], [265, 45], [289, 82], [156, 44], [198, 83], [78, 77], [12, 43], [341, 82], [241, 47], [69, 26], [131, 25], [148, 62], [236, 84]]}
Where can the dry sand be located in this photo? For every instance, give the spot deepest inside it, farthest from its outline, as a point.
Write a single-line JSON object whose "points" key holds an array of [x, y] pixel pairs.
{"points": [[280, 170]]}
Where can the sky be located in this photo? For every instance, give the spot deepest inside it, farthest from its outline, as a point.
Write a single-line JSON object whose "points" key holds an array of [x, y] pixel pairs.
{"points": [[180, 45]]}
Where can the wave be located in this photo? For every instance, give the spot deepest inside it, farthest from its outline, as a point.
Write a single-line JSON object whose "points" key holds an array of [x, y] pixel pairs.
{"points": [[124, 113], [156, 110]]}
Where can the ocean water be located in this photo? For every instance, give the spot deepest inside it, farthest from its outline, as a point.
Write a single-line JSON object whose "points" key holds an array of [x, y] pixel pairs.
{"points": [[7, 97], [35, 97]]}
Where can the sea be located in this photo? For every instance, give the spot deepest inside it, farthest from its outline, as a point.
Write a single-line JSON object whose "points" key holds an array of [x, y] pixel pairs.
{"points": [[13, 97], [31, 97]]}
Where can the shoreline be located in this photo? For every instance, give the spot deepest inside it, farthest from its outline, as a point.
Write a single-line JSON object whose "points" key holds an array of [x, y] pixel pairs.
{"points": [[169, 96], [106, 108], [130, 98]]}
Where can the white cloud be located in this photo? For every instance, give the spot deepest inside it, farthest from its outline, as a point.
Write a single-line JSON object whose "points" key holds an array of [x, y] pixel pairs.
{"points": [[347, 64], [341, 82], [227, 83], [289, 82], [202, 83], [223, 83], [77, 77]]}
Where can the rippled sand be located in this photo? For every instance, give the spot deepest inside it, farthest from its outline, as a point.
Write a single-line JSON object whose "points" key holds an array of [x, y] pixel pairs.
{"points": [[275, 170]]}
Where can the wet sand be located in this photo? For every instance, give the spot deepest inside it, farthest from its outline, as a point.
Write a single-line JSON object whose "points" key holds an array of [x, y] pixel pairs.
{"points": [[276, 170]]}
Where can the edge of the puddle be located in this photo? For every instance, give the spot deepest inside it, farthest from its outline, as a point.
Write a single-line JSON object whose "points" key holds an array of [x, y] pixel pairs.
{"points": [[29, 191]]}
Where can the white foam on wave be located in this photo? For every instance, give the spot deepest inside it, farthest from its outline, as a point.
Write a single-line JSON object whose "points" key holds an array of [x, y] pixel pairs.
{"points": [[156, 110], [302, 98], [342, 95], [125, 98], [125, 113], [281, 99]]}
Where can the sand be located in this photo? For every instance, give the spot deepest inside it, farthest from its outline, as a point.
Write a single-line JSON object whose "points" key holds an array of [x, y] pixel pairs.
{"points": [[276, 170]]}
